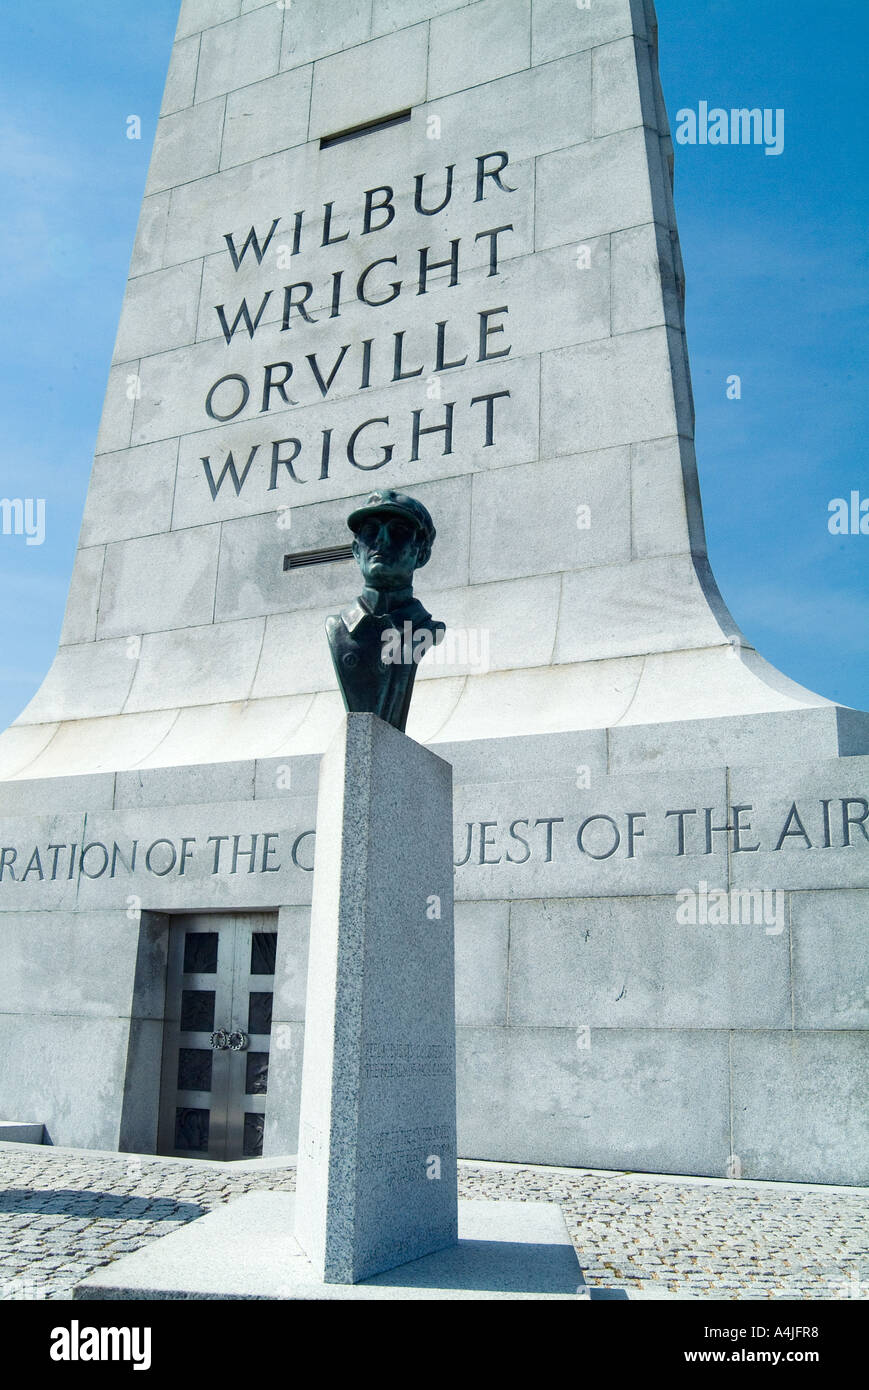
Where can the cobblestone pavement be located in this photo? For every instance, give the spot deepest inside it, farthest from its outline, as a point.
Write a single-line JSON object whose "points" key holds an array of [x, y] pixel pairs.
{"points": [[65, 1213], [701, 1239]]}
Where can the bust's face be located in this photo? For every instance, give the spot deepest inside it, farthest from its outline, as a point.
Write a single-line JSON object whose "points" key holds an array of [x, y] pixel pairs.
{"points": [[387, 551]]}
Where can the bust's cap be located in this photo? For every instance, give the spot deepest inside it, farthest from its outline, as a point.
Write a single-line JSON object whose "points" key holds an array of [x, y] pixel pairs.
{"points": [[388, 502]]}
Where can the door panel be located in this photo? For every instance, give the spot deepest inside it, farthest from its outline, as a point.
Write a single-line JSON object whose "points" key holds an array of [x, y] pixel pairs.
{"points": [[217, 1034]]}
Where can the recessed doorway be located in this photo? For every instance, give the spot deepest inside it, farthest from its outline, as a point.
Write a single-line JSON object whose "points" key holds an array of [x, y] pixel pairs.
{"points": [[217, 1033]]}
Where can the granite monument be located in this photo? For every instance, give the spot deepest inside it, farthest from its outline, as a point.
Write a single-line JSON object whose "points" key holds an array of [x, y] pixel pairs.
{"points": [[427, 246]]}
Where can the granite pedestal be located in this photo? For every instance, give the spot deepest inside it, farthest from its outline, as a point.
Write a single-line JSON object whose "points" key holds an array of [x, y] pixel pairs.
{"points": [[377, 1155]]}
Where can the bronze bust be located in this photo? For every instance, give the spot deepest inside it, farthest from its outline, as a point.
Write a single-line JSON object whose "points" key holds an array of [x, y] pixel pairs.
{"points": [[377, 642]]}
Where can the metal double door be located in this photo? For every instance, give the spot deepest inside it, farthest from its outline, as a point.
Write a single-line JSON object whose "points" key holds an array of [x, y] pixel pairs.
{"points": [[217, 1032]]}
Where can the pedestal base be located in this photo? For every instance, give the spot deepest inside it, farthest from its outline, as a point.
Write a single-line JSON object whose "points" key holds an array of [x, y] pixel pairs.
{"points": [[247, 1250]]}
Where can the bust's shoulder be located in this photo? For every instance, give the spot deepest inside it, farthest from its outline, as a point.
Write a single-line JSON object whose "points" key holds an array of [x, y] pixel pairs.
{"points": [[336, 631], [343, 624]]}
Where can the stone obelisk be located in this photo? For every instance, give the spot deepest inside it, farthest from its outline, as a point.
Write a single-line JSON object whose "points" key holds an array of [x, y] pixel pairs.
{"points": [[413, 242]]}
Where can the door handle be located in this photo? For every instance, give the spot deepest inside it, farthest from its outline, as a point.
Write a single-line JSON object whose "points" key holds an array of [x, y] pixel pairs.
{"points": [[229, 1040]]}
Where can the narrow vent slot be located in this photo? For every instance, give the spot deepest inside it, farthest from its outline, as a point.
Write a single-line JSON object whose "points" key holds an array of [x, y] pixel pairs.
{"points": [[357, 131], [318, 557]]}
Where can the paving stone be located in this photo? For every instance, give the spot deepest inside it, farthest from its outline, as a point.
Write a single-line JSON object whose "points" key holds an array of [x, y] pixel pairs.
{"points": [[64, 1216]]}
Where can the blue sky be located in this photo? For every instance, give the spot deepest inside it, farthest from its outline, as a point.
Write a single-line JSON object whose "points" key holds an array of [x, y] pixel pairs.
{"points": [[775, 251]]}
